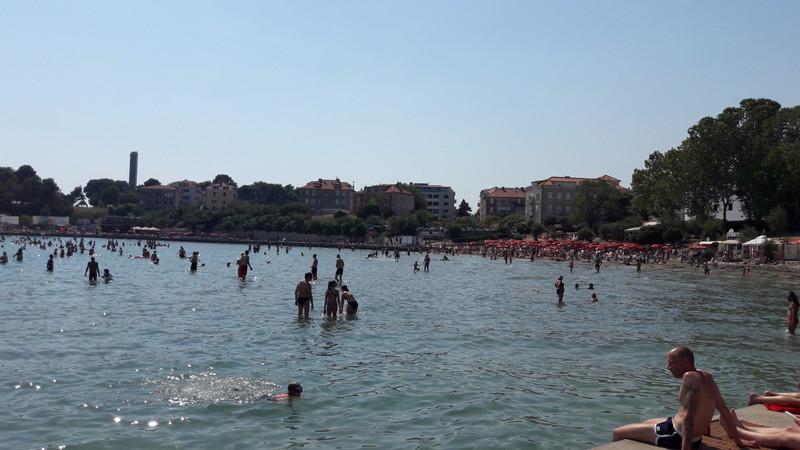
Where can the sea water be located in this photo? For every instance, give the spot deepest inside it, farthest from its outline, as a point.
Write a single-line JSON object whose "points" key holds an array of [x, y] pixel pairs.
{"points": [[474, 353]]}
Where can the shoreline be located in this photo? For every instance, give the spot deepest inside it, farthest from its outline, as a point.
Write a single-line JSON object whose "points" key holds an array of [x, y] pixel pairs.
{"points": [[786, 269]]}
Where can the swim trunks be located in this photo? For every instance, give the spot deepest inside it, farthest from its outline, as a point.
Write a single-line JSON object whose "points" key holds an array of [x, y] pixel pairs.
{"points": [[793, 321], [242, 271], [668, 437], [301, 301], [340, 271], [353, 305]]}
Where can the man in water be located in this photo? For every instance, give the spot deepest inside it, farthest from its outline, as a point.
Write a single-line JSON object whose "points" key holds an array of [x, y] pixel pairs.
{"points": [[93, 268], [193, 261], [50, 264], [698, 398], [339, 269], [314, 267], [294, 390], [303, 297], [244, 263], [426, 262]]}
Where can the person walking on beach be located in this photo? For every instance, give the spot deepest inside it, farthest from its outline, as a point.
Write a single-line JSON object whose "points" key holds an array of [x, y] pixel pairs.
{"points": [[698, 398], [792, 312], [303, 298], [314, 264], [244, 263], [339, 269], [93, 269], [332, 300], [560, 288]]}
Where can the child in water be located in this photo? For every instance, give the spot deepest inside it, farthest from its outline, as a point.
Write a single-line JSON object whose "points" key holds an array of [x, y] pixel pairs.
{"points": [[107, 275], [332, 300]]}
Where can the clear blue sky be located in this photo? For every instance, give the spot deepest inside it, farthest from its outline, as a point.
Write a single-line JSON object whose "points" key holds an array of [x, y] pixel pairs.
{"points": [[461, 93]]}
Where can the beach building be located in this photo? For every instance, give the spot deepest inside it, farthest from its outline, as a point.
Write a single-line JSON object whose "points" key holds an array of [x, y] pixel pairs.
{"points": [[188, 193], [327, 196], [158, 197], [552, 197], [440, 200], [399, 200], [217, 197], [501, 201]]}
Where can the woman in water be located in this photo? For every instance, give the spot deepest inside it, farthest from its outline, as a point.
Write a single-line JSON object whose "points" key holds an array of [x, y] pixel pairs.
{"points": [[560, 288], [332, 300], [792, 312], [352, 304]]}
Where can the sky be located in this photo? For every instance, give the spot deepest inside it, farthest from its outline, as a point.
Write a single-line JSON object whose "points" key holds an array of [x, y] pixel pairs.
{"points": [[466, 94]]}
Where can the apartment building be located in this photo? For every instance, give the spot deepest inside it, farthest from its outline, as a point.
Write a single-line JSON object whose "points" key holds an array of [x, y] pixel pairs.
{"points": [[440, 200], [326, 196], [218, 197], [158, 197], [553, 197], [501, 201], [188, 193], [399, 200]]}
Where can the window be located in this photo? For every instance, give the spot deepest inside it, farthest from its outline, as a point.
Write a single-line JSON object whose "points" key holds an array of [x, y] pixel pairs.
{"points": [[549, 195], [558, 195], [568, 195], [549, 208], [558, 209]]}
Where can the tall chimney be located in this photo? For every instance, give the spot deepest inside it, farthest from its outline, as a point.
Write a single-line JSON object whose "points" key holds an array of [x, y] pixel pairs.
{"points": [[133, 168]]}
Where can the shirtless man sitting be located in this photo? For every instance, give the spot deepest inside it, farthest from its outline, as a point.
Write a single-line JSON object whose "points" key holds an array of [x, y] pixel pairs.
{"points": [[698, 398]]}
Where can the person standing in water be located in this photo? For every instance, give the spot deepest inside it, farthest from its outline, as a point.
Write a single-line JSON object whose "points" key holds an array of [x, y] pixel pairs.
{"points": [[244, 263], [303, 298], [193, 261], [352, 304], [426, 262], [332, 300], [50, 264], [339, 269], [314, 264], [792, 312], [93, 269], [560, 288]]}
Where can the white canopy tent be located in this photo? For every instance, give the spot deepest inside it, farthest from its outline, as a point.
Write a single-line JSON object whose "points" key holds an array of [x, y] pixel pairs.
{"points": [[753, 246]]}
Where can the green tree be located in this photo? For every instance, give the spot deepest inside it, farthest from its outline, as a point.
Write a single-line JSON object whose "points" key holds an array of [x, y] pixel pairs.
{"points": [[222, 178], [152, 182], [585, 234], [658, 185], [464, 209]]}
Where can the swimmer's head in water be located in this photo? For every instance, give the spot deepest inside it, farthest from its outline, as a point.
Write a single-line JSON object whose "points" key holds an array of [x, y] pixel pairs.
{"points": [[295, 389]]}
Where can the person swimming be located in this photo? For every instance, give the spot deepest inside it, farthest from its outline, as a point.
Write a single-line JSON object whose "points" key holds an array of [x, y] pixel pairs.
{"points": [[293, 390]]}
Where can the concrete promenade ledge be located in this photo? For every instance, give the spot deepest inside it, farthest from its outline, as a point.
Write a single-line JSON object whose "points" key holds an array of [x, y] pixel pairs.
{"points": [[717, 439]]}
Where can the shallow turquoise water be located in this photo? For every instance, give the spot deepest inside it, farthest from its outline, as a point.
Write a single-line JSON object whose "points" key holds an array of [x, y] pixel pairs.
{"points": [[473, 354]]}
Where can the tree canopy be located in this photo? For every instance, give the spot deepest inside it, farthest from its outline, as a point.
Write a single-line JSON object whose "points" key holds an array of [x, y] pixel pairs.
{"points": [[750, 152]]}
